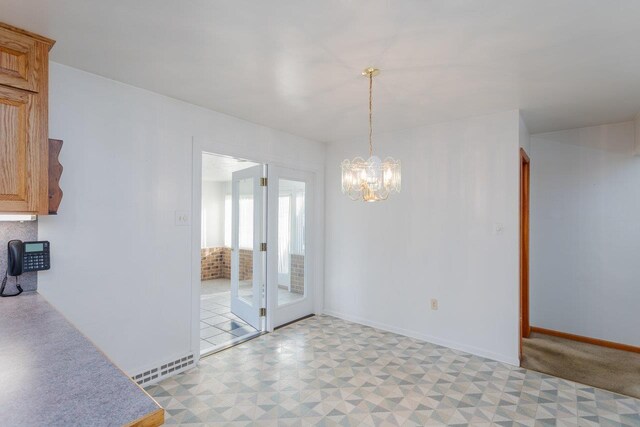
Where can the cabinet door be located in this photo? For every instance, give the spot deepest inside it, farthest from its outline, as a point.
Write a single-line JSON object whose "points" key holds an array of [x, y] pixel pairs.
{"points": [[20, 61], [20, 153]]}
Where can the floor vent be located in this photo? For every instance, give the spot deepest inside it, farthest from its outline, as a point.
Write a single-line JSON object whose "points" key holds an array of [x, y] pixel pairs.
{"points": [[165, 370]]}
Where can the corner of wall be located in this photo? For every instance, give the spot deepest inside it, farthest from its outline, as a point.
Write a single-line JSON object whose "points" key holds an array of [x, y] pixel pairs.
{"points": [[524, 137], [636, 146]]}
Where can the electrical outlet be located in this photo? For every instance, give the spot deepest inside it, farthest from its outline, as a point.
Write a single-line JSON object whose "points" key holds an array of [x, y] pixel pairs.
{"points": [[434, 304], [182, 218]]}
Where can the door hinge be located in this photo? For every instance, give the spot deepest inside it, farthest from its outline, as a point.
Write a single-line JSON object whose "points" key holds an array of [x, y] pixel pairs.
{"points": [[263, 312], [263, 182], [263, 247]]}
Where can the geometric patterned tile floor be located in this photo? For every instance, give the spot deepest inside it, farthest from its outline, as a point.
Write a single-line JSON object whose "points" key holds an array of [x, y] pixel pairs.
{"points": [[326, 371]]}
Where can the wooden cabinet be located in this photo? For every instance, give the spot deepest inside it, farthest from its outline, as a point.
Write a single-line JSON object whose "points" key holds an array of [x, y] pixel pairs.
{"points": [[24, 144]]}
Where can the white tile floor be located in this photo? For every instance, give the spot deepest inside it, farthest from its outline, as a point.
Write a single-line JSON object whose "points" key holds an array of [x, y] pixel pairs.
{"points": [[218, 326]]}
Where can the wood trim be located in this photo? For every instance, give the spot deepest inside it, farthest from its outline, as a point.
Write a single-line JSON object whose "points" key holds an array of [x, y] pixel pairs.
{"points": [[40, 133], [525, 327], [38, 37], [55, 172], [154, 419], [588, 340]]}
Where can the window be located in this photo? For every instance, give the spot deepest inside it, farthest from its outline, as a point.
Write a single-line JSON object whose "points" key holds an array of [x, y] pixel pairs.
{"points": [[227, 221], [290, 227], [298, 240], [246, 222], [203, 232], [284, 233]]}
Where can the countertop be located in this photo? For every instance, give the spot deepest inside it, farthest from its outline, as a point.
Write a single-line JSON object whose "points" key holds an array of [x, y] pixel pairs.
{"points": [[52, 375]]}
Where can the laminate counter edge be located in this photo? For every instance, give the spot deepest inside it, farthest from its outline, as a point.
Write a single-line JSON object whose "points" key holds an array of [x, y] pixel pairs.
{"points": [[51, 374]]}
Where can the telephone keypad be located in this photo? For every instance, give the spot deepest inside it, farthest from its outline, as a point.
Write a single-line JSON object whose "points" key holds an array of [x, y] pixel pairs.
{"points": [[36, 261]]}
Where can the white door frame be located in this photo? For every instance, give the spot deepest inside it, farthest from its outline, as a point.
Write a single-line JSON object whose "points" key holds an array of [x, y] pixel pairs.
{"points": [[258, 153]]}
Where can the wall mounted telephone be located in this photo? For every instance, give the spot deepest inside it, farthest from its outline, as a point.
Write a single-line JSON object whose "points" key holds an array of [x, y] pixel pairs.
{"points": [[24, 257]]}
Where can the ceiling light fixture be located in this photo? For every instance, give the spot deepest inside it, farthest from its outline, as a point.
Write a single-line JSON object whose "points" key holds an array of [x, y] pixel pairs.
{"points": [[370, 180]]}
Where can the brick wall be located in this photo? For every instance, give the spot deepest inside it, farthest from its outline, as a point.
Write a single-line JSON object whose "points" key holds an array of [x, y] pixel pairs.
{"points": [[246, 264], [212, 263], [226, 263], [215, 263], [297, 274]]}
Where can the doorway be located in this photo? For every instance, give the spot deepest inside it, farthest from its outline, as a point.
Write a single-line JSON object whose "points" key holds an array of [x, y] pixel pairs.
{"points": [[255, 269], [525, 327], [231, 262], [596, 362]]}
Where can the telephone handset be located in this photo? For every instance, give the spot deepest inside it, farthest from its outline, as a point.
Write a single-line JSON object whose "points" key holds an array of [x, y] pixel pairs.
{"points": [[24, 257], [15, 250]]}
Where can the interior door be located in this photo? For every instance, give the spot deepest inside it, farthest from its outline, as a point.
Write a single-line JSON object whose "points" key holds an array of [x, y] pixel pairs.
{"points": [[247, 233], [289, 255]]}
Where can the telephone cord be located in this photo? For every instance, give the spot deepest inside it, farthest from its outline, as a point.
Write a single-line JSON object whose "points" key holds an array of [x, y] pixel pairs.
{"points": [[4, 283]]}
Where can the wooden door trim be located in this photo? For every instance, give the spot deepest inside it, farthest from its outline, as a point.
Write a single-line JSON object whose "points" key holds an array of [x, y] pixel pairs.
{"points": [[525, 327], [588, 340]]}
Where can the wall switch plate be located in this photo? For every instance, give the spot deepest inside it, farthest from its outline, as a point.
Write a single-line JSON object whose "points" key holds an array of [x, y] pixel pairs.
{"points": [[434, 304], [498, 228], [183, 218]]}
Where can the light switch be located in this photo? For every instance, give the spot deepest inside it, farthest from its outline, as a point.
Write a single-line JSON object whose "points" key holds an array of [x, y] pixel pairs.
{"points": [[183, 218]]}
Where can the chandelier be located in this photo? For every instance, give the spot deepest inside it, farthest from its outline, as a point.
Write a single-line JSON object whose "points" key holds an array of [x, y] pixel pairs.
{"points": [[370, 180]]}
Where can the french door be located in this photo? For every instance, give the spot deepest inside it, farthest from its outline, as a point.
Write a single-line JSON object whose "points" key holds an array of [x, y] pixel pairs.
{"points": [[279, 215], [247, 235], [289, 272]]}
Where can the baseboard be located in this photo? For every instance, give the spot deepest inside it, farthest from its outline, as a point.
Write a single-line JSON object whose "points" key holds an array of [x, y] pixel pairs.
{"points": [[515, 361], [588, 340]]}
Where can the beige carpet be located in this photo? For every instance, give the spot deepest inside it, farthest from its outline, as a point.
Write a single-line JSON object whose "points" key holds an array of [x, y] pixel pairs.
{"points": [[602, 367]]}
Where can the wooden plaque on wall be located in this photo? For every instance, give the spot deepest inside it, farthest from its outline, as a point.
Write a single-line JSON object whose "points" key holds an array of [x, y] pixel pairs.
{"points": [[55, 172]]}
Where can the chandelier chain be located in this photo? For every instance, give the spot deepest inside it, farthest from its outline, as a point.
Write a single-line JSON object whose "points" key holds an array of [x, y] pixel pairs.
{"points": [[370, 113]]}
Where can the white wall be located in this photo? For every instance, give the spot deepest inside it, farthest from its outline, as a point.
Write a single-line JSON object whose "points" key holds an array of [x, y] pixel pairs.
{"points": [[436, 239], [585, 233], [524, 137], [121, 268], [213, 195], [636, 122]]}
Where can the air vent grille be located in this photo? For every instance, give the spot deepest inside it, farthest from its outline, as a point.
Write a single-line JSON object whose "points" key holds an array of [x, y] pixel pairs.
{"points": [[154, 375]]}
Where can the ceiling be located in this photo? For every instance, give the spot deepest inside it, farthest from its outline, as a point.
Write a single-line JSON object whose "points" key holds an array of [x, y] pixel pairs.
{"points": [[295, 65], [219, 168]]}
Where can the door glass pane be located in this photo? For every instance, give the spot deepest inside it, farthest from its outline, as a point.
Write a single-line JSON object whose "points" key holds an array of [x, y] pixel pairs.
{"points": [[245, 240], [291, 241]]}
